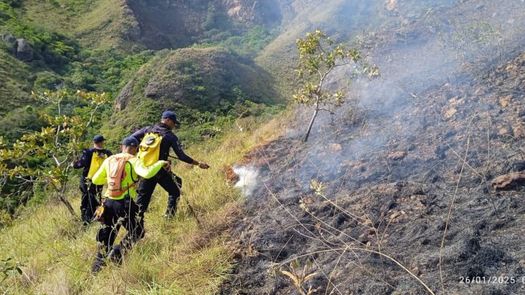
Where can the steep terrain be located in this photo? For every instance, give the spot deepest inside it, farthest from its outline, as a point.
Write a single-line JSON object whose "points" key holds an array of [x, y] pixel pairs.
{"points": [[132, 25], [90, 44], [192, 81], [348, 22], [393, 195]]}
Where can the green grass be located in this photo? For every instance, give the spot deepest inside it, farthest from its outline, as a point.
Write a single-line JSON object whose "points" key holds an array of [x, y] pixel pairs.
{"points": [[175, 257], [99, 24], [14, 84]]}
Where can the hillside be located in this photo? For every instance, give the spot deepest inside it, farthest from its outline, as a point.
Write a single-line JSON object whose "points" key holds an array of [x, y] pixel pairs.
{"points": [[132, 25], [350, 22], [209, 81], [398, 193], [412, 186], [97, 45]]}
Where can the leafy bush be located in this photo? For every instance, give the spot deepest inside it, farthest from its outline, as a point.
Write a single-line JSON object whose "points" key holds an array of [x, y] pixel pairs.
{"points": [[43, 157], [105, 70], [47, 80]]}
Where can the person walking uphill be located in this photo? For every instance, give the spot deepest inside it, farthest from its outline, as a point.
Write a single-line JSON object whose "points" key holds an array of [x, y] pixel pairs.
{"points": [[121, 173], [155, 143], [90, 160]]}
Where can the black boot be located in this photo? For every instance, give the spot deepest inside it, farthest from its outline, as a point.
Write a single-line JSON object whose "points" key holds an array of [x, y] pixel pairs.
{"points": [[170, 213], [86, 220], [99, 263], [115, 255], [171, 210]]}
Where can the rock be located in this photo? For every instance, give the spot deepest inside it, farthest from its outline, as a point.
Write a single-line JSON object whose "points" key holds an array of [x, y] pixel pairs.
{"points": [[504, 130], [10, 42], [335, 147], [391, 5], [508, 181], [398, 155], [152, 89], [505, 101], [450, 113], [252, 11], [518, 130], [24, 51]]}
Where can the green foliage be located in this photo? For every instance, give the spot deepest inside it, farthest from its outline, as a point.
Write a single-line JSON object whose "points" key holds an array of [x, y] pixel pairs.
{"points": [[250, 43], [13, 3], [215, 19], [8, 266], [106, 71], [247, 43], [318, 57], [15, 84], [198, 126], [47, 80], [204, 85], [44, 157], [6, 12], [50, 49]]}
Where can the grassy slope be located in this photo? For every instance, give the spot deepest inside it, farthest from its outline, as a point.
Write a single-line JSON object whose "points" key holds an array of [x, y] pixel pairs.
{"points": [[14, 85], [99, 24], [96, 23], [174, 258], [340, 19], [177, 74]]}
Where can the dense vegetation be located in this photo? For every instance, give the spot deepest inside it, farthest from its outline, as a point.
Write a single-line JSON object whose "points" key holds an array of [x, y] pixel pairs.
{"points": [[73, 47]]}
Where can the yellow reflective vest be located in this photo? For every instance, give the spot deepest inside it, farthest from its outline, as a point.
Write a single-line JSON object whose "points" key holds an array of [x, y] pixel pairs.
{"points": [[133, 172]]}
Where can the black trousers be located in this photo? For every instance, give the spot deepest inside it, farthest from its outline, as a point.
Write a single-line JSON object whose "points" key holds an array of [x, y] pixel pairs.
{"points": [[167, 182], [118, 213], [90, 196]]}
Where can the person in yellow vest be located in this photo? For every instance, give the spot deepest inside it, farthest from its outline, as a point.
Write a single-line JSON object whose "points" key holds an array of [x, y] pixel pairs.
{"points": [[120, 172], [90, 161]]}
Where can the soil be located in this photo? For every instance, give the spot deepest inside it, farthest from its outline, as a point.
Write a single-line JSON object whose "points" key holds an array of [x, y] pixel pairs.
{"points": [[402, 200]]}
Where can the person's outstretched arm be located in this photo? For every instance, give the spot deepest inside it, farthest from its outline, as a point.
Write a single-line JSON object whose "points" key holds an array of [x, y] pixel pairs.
{"points": [[175, 145], [147, 172]]}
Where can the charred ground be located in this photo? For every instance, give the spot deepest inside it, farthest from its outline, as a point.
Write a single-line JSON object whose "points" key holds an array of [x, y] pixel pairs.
{"points": [[412, 181]]}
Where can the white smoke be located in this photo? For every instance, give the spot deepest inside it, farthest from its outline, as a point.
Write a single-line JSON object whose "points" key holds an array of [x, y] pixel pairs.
{"points": [[247, 179]]}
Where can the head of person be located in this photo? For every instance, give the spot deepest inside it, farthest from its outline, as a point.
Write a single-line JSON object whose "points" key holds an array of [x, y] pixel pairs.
{"points": [[169, 118], [130, 145], [98, 141]]}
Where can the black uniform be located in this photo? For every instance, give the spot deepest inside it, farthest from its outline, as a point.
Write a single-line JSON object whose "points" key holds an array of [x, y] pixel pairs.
{"points": [[117, 213], [90, 192], [164, 178]]}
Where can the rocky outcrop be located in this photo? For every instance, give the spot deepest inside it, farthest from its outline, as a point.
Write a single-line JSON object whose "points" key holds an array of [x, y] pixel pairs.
{"points": [[20, 47], [24, 51], [253, 11], [179, 23]]}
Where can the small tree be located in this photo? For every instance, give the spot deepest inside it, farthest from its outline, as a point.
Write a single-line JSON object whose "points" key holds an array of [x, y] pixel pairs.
{"points": [[318, 57], [44, 157]]}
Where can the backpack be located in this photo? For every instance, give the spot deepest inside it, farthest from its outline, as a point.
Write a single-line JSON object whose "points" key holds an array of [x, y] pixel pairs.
{"points": [[149, 149], [97, 159], [116, 173]]}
